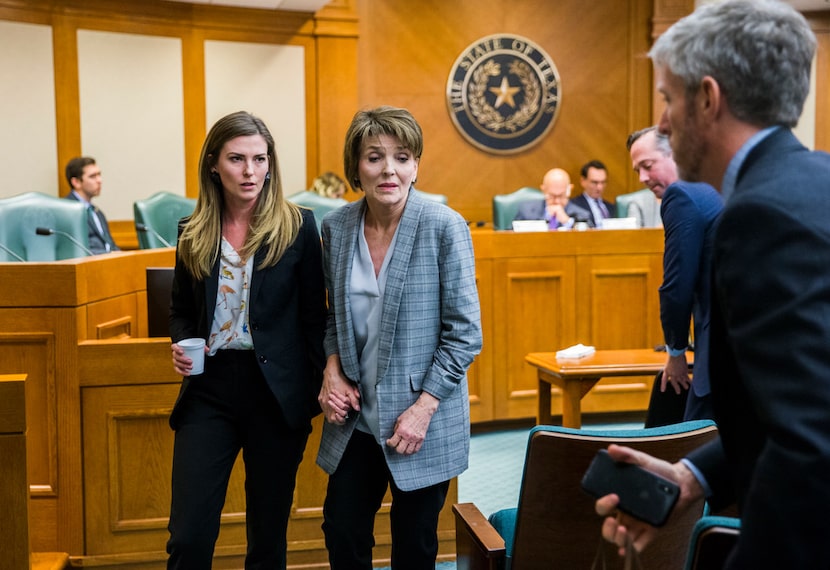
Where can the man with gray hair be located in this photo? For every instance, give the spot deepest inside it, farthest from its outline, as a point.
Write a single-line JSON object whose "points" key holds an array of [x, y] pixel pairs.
{"points": [[689, 211], [734, 76]]}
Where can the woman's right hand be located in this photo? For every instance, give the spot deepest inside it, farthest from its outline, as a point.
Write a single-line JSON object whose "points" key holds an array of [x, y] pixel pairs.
{"points": [[181, 363], [338, 395]]}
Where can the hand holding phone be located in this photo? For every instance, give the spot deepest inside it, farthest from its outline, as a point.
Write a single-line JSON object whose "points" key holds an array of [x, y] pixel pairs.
{"points": [[643, 494]]}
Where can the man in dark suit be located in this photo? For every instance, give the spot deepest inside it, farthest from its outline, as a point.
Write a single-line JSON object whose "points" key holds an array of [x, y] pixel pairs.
{"points": [[689, 211], [593, 177], [556, 208], [84, 178], [735, 76]]}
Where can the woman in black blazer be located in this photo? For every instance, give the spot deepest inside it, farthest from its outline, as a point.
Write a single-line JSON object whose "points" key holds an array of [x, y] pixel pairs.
{"points": [[249, 281]]}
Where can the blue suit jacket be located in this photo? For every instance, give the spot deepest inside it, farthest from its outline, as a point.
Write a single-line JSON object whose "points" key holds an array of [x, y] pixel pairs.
{"points": [[430, 334], [770, 356], [287, 313], [582, 202], [690, 212]]}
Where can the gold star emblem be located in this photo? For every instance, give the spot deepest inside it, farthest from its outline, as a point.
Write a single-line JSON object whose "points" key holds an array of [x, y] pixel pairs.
{"points": [[504, 93]]}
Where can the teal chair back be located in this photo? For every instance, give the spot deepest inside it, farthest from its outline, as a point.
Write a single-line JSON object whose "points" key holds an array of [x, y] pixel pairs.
{"points": [[160, 214], [319, 205], [505, 206], [21, 215], [555, 525], [624, 200], [440, 198], [713, 538]]}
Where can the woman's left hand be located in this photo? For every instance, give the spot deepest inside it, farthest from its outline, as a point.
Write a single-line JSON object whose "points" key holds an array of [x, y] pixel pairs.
{"points": [[412, 425]]}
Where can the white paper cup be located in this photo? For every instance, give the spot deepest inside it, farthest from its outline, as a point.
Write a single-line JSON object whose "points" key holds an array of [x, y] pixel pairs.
{"points": [[194, 349]]}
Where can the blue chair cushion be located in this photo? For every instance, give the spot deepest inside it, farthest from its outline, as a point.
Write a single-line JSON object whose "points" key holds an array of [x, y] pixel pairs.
{"points": [[504, 521]]}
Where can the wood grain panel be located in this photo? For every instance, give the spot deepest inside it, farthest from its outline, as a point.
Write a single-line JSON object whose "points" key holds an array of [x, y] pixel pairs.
{"points": [[619, 297], [34, 354], [480, 374], [593, 58], [533, 301], [14, 493], [820, 23], [113, 318]]}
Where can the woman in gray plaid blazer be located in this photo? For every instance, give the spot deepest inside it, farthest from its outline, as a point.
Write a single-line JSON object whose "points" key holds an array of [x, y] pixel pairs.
{"points": [[403, 328]]}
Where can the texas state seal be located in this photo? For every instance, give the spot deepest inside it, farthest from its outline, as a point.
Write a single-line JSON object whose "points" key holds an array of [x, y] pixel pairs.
{"points": [[503, 93]]}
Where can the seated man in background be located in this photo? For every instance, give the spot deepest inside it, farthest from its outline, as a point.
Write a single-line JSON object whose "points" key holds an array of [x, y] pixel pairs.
{"points": [[594, 179], [555, 209], [84, 178]]}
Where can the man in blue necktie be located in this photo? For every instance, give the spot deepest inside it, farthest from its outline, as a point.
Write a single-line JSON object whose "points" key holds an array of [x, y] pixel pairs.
{"points": [[84, 178]]}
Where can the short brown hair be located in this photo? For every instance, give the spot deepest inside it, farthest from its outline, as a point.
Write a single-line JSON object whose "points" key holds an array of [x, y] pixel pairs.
{"points": [[75, 167], [385, 120]]}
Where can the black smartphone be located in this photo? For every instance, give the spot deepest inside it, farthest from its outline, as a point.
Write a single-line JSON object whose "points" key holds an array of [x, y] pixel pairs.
{"points": [[642, 494]]}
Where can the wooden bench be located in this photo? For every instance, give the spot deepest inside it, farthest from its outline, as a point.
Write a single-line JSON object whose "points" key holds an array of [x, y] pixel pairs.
{"points": [[14, 489]]}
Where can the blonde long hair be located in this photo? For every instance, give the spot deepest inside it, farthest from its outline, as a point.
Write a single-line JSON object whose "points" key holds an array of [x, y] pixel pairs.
{"points": [[275, 223]]}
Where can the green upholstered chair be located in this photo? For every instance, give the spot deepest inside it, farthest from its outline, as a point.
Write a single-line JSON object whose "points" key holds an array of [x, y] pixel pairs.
{"points": [[157, 218], [319, 205], [712, 540], [440, 198], [624, 200], [22, 215], [505, 206], [554, 524]]}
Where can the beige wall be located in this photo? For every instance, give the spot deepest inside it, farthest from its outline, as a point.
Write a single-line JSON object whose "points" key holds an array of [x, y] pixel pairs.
{"points": [[28, 137]]}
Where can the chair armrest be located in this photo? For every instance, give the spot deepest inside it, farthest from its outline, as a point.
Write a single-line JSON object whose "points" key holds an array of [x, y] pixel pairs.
{"points": [[478, 545]]}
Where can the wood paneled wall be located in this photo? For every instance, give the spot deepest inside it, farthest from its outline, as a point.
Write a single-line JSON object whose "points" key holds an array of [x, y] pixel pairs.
{"points": [[406, 51], [363, 53]]}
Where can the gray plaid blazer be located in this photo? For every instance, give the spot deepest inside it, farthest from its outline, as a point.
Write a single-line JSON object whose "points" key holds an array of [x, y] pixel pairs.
{"points": [[430, 334]]}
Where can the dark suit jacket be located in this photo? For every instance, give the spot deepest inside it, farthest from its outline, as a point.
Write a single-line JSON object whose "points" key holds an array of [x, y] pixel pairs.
{"points": [[97, 239], [582, 202], [770, 357], [690, 212], [535, 210], [287, 314]]}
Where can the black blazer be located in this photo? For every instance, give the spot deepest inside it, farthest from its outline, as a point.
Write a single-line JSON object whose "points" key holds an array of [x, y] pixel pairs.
{"points": [[770, 357], [287, 314]]}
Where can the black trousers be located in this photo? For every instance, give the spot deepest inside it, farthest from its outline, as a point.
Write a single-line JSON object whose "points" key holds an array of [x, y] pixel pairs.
{"points": [[355, 493], [227, 409]]}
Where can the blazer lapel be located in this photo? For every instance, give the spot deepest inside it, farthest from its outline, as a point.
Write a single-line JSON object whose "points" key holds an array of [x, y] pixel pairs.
{"points": [[396, 279], [343, 256]]}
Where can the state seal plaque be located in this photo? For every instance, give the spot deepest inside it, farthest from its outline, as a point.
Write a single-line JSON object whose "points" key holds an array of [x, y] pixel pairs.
{"points": [[503, 93]]}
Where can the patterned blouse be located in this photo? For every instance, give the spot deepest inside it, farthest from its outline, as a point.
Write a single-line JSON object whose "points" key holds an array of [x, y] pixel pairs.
{"points": [[230, 328]]}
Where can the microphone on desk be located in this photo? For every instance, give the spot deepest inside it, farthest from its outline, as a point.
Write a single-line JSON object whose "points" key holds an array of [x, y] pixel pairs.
{"points": [[10, 252], [145, 228], [50, 231]]}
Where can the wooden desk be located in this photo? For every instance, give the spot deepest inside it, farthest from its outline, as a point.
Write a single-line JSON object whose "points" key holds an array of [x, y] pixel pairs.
{"points": [[576, 376], [543, 290]]}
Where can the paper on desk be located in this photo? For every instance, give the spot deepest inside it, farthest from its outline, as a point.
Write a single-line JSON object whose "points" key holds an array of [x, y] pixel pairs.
{"points": [[576, 351]]}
